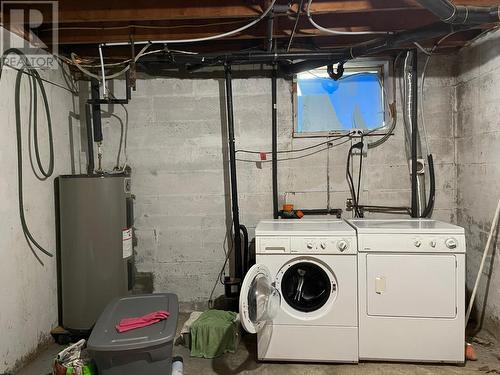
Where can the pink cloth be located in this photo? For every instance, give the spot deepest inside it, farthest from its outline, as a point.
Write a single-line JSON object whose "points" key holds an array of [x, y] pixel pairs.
{"points": [[129, 324]]}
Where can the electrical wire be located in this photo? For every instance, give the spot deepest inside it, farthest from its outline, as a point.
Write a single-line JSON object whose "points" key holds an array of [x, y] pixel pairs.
{"points": [[122, 148], [173, 41], [125, 141], [337, 32], [297, 157], [208, 38], [114, 75], [331, 139], [350, 181], [360, 171], [137, 26], [73, 91], [292, 35], [127, 61], [227, 255], [45, 172], [392, 108], [421, 48]]}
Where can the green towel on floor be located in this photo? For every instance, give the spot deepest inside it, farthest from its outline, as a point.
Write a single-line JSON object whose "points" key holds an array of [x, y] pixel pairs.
{"points": [[214, 333]]}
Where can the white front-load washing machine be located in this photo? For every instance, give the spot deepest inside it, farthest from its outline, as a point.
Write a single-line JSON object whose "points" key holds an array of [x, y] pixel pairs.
{"points": [[301, 295], [411, 276]]}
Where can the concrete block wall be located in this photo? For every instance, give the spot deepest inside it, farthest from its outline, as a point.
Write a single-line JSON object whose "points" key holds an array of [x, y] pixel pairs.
{"points": [[28, 291], [478, 167], [178, 152]]}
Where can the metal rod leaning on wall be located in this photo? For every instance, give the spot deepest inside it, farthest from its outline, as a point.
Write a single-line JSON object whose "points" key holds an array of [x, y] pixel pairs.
{"points": [[274, 90], [414, 136], [232, 167]]}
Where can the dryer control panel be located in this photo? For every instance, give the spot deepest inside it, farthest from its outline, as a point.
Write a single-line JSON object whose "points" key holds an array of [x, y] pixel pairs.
{"points": [[306, 245], [412, 243]]}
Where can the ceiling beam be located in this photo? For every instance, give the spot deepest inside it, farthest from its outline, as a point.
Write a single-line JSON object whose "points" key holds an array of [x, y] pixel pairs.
{"points": [[387, 21], [147, 10], [74, 11], [353, 6]]}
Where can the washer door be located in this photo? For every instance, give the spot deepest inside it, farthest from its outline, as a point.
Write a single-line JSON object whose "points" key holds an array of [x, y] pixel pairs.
{"points": [[259, 299], [306, 287]]}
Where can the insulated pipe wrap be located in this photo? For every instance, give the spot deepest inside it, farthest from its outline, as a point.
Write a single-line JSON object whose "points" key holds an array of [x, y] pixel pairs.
{"points": [[462, 14]]}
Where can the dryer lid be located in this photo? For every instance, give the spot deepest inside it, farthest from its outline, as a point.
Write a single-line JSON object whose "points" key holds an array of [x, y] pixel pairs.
{"points": [[404, 226], [259, 299], [304, 227]]}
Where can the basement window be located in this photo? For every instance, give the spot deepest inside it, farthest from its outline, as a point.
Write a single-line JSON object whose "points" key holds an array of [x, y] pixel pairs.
{"points": [[357, 101]]}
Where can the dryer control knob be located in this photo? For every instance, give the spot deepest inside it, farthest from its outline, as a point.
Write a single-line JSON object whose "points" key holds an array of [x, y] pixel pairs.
{"points": [[342, 245], [418, 243], [323, 245], [309, 245], [451, 243], [433, 243]]}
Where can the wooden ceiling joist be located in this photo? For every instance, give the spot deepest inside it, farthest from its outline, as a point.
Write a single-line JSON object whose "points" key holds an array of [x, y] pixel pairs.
{"points": [[83, 24]]}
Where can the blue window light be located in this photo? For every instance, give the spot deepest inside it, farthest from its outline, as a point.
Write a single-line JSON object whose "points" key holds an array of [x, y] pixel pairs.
{"points": [[356, 101]]}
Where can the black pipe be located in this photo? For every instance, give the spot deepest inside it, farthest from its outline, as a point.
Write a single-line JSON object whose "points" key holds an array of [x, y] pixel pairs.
{"points": [[232, 167], [96, 110], [274, 147], [246, 57], [432, 187], [379, 45], [414, 136], [98, 102], [320, 211], [246, 259], [90, 140], [386, 209], [461, 14]]}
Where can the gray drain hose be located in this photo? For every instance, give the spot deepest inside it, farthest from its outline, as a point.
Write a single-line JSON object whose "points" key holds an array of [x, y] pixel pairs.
{"points": [[36, 80]]}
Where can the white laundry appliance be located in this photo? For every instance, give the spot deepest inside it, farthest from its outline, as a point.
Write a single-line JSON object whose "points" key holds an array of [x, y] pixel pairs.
{"points": [[301, 296], [411, 276]]}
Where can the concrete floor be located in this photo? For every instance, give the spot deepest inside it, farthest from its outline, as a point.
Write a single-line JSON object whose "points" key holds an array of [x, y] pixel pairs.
{"points": [[244, 362]]}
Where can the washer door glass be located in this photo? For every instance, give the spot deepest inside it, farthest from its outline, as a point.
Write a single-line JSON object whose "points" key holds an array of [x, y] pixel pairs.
{"points": [[306, 287], [259, 299]]}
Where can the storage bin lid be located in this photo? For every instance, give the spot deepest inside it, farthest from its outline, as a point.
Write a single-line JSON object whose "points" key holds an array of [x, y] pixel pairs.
{"points": [[104, 336]]}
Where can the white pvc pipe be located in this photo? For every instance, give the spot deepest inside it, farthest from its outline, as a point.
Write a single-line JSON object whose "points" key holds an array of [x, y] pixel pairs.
{"points": [[338, 32], [485, 254], [104, 88], [204, 39]]}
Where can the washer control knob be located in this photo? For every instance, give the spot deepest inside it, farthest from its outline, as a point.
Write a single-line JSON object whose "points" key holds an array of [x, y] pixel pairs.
{"points": [[433, 243], [418, 243], [451, 243], [342, 245], [309, 245], [323, 245]]}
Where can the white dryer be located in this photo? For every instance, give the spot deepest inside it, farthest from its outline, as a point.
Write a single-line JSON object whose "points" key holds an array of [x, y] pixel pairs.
{"points": [[411, 276], [301, 296]]}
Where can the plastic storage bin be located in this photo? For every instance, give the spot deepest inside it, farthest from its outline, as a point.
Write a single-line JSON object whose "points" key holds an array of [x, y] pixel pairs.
{"points": [[144, 351]]}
